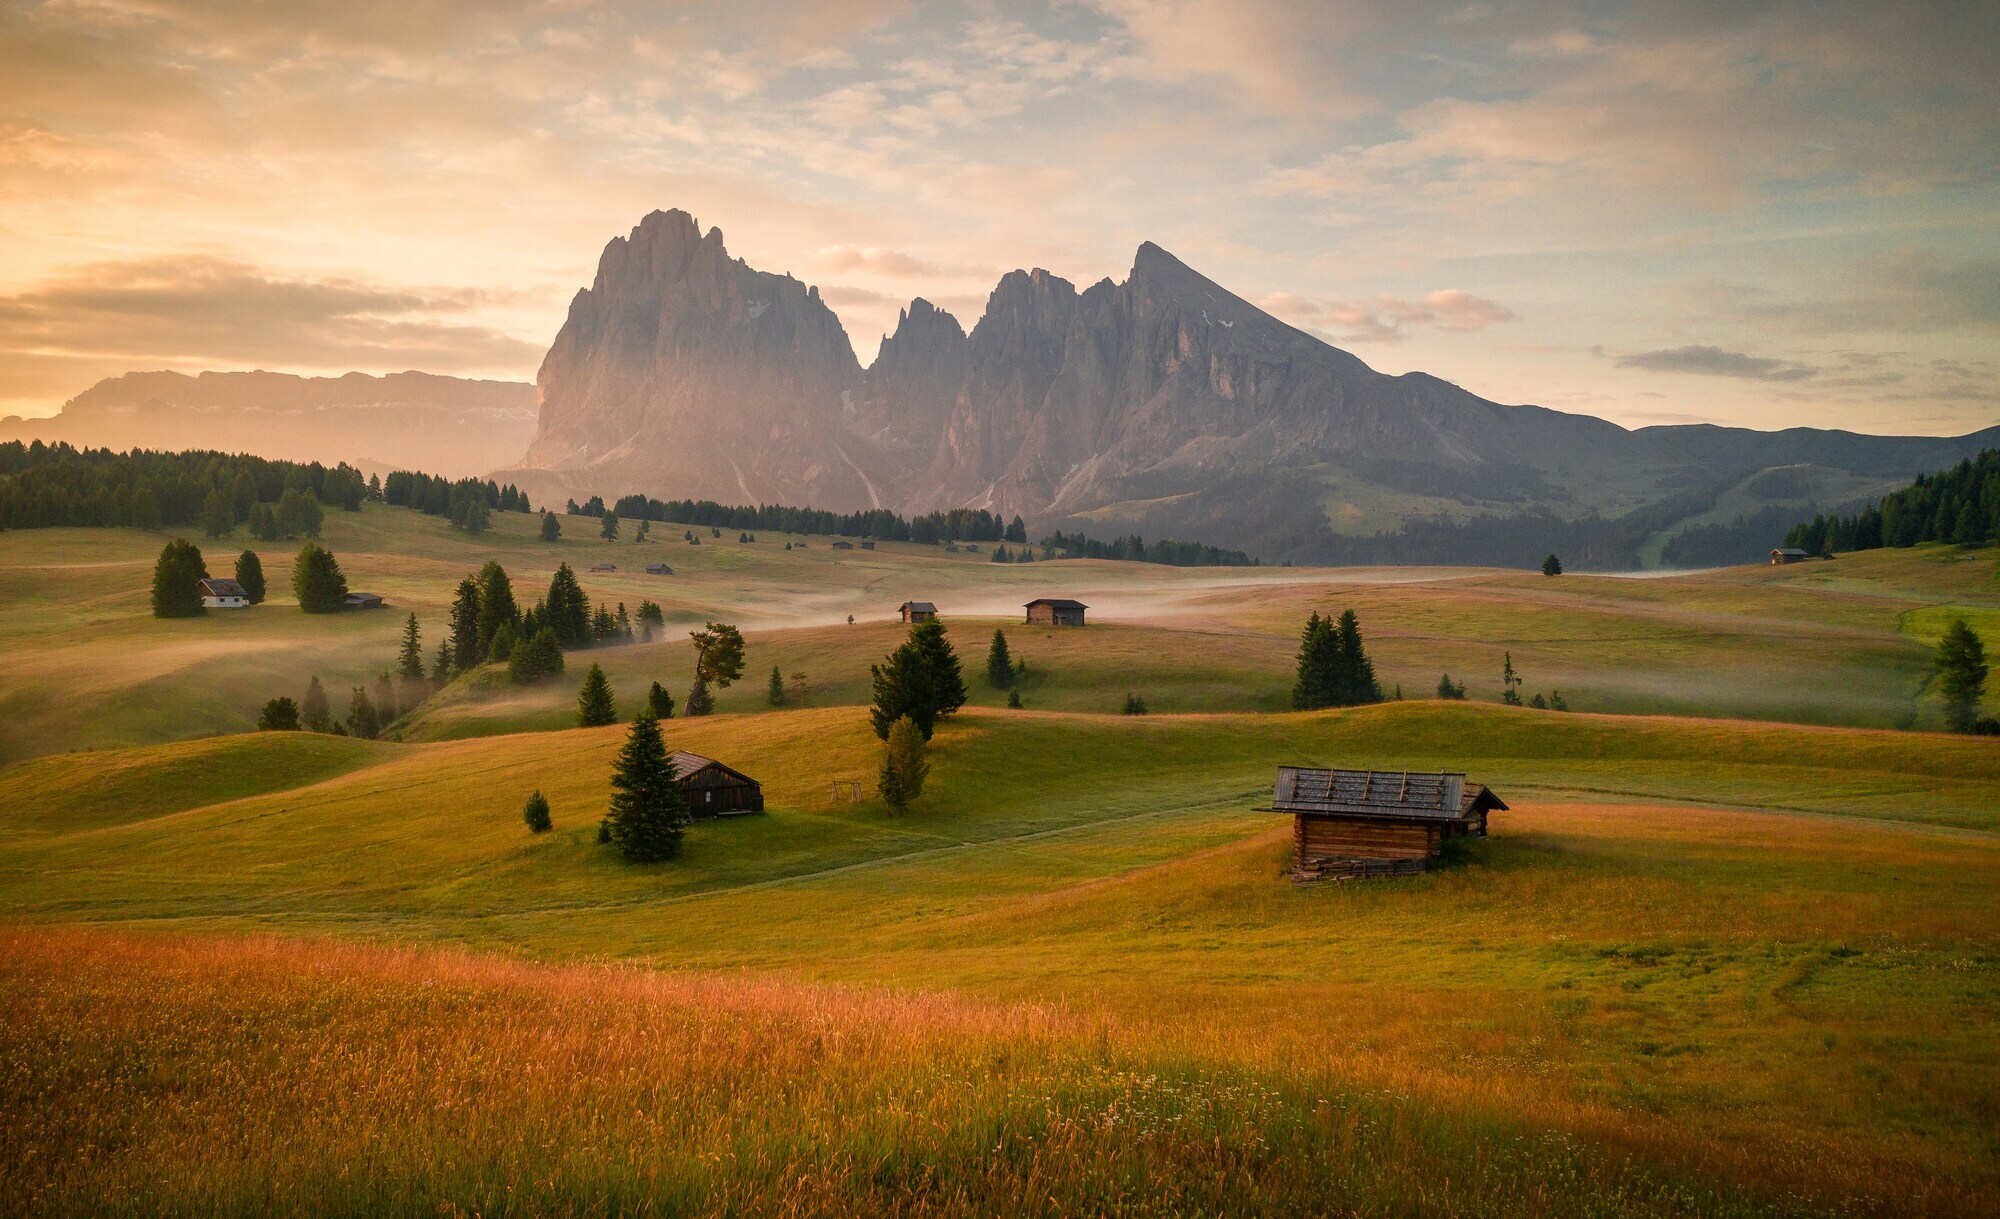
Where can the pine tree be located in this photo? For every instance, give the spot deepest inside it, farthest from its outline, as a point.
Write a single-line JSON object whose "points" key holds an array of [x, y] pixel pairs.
{"points": [[1447, 689], [718, 654], [281, 714], [362, 718], [648, 813], [317, 582], [1510, 681], [660, 701], [539, 659], [1134, 705], [700, 701], [1318, 656], [1552, 566], [505, 640], [536, 813], [410, 661], [551, 526], [1355, 673], [1017, 531], [903, 765], [608, 528], [316, 712], [497, 608], [442, 667], [465, 651], [776, 692], [1961, 668], [387, 706], [218, 515], [624, 622], [999, 662], [567, 610], [250, 574], [1014, 699], [920, 679], [177, 580], [594, 707]]}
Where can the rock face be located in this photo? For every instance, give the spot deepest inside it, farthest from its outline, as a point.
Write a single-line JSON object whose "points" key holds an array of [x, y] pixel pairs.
{"points": [[406, 420], [684, 373]]}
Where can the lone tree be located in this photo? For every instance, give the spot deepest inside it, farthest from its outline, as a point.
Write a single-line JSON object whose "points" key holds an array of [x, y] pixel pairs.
{"points": [[250, 574], [776, 692], [920, 679], [718, 654], [1961, 669], [1134, 705], [1510, 681], [608, 530], [999, 663], [281, 714], [538, 659], [594, 708], [317, 582], [536, 813], [1552, 566], [177, 581], [551, 526], [660, 701], [903, 765], [648, 811], [316, 713]]}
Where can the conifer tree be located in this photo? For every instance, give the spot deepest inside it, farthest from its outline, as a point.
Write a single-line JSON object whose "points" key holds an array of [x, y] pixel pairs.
{"points": [[775, 694], [177, 580], [608, 528], [505, 640], [465, 652], [567, 610], [1961, 668], [551, 526], [594, 707], [1355, 673], [1510, 681], [1552, 566], [317, 581], [920, 679], [718, 654], [649, 812], [1014, 699], [250, 574], [497, 608], [1318, 657], [999, 662], [441, 668], [316, 712], [387, 706], [700, 700], [218, 515], [538, 659], [362, 718], [660, 701], [903, 765], [536, 813], [410, 661], [281, 714], [1134, 705]]}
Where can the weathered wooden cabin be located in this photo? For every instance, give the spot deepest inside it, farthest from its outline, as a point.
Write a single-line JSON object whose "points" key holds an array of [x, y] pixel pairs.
{"points": [[867, 545], [604, 567], [658, 569], [1055, 611], [917, 611], [1788, 554], [842, 546], [1375, 822], [365, 601], [715, 790]]}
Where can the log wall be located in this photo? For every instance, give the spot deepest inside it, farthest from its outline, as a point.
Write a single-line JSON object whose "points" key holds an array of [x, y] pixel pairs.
{"points": [[1356, 838]]}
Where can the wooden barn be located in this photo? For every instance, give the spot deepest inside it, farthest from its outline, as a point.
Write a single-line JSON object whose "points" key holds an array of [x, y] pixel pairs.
{"points": [[1055, 611], [365, 601], [843, 546], [1375, 822], [917, 611], [604, 567], [715, 790], [658, 569], [1788, 554]]}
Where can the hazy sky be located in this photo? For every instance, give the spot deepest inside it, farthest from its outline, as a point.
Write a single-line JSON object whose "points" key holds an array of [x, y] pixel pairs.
{"points": [[1763, 213]]}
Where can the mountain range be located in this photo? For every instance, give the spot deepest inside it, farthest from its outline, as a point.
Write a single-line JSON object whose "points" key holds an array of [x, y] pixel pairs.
{"points": [[1164, 403]]}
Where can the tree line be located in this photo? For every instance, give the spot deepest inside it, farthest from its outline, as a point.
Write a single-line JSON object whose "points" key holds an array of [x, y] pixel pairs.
{"points": [[1135, 549], [465, 502], [955, 525], [49, 486], [1960, 505]]}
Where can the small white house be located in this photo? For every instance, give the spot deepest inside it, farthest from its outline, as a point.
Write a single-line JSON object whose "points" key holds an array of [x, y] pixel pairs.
{"points": [[223, 594]]}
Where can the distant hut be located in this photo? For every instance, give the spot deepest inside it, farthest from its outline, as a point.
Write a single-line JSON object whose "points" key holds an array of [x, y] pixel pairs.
{"points": [[1055, 611], [843, 546], [658, 569], [224, 594], [1375, 822], [1788, 554], [604, 567], [867, 545], [715, 790], [917, 611], [365, 601]]}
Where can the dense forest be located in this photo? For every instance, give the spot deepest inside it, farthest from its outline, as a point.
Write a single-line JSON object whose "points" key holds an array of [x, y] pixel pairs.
{"points": [[957, 525], [1960, 505], [1133, 548]]}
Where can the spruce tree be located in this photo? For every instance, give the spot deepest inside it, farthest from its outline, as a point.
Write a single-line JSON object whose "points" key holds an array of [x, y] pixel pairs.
{"points": [[317, 582], [567, 610], [1318, 648], [497, 607], [1961, 668], [1134, 705], [999, 662], [920, 679], [538, 659], [1014, 699], [218, 515], [362, 718], [660, 701], [700, 701], [1510, 681], [387, 705], [250, 574], [1552, 566], [551, 526], [441, 668], [465, 649], [648, 813], [505, 640], [594, 707], [775, 694], [903, 765], [316, 712], [536, 813], [1356, 682], [281, 714], [608, 528], [177, 581]]}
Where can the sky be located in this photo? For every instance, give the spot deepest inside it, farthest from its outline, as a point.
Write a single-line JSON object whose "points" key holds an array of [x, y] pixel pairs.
{"points": [[1767, 214]]}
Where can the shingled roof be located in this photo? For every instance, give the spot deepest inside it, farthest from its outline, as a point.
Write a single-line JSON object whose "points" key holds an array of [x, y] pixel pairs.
{"points": [[1380, 793]]}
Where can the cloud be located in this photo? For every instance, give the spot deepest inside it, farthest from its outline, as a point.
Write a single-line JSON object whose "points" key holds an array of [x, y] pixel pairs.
{"points": [[1382, 319], [1715, 362], [891, 263]]}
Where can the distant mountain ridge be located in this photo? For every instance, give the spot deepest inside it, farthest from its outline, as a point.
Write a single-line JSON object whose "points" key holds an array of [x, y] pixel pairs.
{"points": [[682, 372], [412, 420]]}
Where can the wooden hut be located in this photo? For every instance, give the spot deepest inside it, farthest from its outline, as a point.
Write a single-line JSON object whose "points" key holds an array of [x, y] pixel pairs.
{"points": [[1055, 611], [715, 790], [917, 611], [1788, 554], [843, 546], [365, 601], [658, 569], [1373, 822]]}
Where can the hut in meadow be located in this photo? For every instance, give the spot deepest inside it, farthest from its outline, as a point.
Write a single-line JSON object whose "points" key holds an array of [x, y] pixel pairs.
{"points": [[917, 611], [1374, 822], [1788, 554], [365, 601], [1055, 611], [217, 593], [843, 546], [658, 569], [715, 790]]}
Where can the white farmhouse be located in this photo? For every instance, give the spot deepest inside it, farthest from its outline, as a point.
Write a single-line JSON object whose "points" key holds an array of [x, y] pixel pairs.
{"points": [[224, 594]]}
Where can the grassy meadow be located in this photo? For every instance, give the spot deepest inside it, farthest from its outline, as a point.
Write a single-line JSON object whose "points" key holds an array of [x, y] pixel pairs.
{"points": [[1734, 949]]}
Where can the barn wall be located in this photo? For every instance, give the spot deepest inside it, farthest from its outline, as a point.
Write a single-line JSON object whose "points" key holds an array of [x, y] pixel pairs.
{"points": [[1354, 839]]}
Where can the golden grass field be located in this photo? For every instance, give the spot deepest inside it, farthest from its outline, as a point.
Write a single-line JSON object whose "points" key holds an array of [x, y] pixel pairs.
{"points": [[1717, 965]]}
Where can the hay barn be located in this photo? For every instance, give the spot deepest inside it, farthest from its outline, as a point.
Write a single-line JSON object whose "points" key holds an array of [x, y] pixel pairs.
{"points": [[1373, 822], [1055, 611], [715, 790]]}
